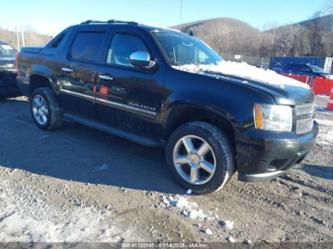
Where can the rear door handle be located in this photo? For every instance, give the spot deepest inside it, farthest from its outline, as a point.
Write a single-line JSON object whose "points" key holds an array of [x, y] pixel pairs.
{"points": [[105, 77], [67, 70]]}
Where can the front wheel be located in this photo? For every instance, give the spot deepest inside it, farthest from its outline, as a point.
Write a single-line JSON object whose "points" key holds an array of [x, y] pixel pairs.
{"points": [[45, 109], [200, 156]]}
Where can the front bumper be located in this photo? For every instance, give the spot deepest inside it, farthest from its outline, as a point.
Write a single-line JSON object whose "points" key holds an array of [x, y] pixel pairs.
{"points": [[265, 155], [260, 177]]}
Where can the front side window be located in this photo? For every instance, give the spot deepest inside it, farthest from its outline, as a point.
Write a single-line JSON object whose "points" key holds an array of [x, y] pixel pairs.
{"points": [[86, 46], [122, 46], [182, 49]]}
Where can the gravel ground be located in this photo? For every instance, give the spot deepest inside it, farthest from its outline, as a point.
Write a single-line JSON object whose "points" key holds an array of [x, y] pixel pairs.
{"points": [[78, 184]]}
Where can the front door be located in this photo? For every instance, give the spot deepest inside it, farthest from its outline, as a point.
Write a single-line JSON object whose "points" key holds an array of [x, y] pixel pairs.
{"points": [[127, 97]]}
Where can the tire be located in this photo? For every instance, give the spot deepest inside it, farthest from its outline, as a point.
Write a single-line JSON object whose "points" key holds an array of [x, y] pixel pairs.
{"points": [[220, 153], [51, 109]]}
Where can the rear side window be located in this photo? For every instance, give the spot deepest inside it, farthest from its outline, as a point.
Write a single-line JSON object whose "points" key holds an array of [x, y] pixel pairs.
{"points": [[86, 46], [57, 41], [122, 46]]}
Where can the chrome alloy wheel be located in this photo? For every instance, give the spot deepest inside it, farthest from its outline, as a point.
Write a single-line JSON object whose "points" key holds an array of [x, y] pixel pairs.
{"points": [[40, 109], [194, 160]]}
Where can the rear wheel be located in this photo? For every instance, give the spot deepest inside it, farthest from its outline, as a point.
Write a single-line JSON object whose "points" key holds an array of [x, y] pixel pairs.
{"points": [[200, 156], [45, 109]]}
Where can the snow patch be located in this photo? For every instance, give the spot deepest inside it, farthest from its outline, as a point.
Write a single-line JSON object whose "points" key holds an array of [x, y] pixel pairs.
{"points": [[208, 231], [183, 203], [187, 208], [231, 239], [244, 70], [28, 217], [228, 224], [247, 242], [324, 122], [197, 214], [325, 137]]}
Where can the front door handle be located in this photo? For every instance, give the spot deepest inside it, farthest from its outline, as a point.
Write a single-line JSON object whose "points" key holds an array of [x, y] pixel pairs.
{"points": [[67, 70], [105, 77]]}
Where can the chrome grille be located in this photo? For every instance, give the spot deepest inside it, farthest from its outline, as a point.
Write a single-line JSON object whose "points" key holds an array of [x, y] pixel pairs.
{"points": [[304, 118]]}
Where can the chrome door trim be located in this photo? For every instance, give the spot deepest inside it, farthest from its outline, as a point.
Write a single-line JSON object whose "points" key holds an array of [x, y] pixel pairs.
{"points": [[76, 94], [108, 103], [124, 106]]}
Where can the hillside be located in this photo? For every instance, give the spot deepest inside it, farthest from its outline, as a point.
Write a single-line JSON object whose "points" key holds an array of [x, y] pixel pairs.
{"points": [[230, 36], [31, 38], [323, 23], [225, 35], [309, 37]]}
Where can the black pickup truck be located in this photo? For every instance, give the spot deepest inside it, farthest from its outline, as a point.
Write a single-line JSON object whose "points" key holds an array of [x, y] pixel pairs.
{"points": [[8, 87], [160, 87]]}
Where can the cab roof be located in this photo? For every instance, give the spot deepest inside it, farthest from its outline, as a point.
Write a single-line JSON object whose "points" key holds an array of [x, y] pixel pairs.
{"points": [[124, 23]]}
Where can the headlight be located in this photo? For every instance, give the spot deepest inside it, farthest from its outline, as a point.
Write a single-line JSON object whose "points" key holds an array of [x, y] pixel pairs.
{"points": [[273, 117]]}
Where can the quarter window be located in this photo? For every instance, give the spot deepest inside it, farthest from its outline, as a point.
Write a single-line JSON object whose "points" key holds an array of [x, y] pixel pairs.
{"points": [[57, 41], [86, 46], [122, 46]]}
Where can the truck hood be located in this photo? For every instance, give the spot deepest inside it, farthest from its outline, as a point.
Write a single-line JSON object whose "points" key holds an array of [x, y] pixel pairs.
{"points": [[286, 91]]}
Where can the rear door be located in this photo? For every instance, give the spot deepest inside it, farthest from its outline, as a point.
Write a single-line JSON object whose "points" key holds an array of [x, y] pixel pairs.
{"points": [[127, 97], [77, 74]]}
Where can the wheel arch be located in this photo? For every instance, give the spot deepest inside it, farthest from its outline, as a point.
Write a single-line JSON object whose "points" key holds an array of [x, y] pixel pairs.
{"points": [[38, 80], [184, 112]]}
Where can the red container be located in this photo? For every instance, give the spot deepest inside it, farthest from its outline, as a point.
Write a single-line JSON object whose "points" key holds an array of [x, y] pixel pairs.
{"points": [[322, 86]]}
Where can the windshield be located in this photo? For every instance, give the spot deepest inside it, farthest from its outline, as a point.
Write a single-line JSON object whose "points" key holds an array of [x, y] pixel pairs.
{"points": [[7, 51], [316, 69], [182, 49]]}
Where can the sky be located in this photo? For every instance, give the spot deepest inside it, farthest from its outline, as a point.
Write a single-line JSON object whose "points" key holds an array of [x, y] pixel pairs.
{"points": [[52, 16]]}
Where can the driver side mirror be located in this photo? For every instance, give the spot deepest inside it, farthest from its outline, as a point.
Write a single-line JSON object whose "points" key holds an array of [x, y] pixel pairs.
{"points": [[142, 59]]}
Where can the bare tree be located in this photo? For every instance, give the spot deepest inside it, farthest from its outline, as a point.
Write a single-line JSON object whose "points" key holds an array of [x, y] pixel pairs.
{"points": [[31, 38], [313, 37]]}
